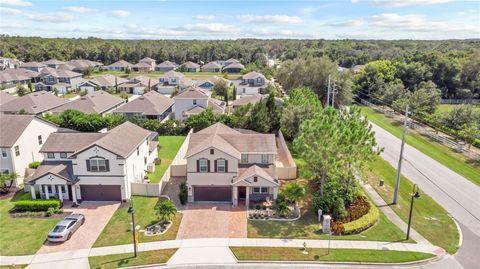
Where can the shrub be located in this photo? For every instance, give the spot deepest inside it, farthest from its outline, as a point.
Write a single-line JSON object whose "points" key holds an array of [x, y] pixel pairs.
{"points": [[364, 222], [338, 228], [34, 165], [360, 207], [339, 211], [50, 212], [280, 198], [37, 205], [183, 194]]}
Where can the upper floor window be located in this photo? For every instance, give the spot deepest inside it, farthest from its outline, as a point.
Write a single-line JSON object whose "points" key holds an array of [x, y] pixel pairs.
{"points": [[203, 165], [97, 165], [194, 101], [50, 155], [244, 158], [264, 158], [221, 165], [4, 153], [63, 155], [17, 151], [40, 141], [212, 151]]}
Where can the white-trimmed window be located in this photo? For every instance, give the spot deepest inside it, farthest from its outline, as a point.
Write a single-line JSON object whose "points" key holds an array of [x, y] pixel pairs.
{"points": [[17, 150], [221, 166], [63, 155], [264, 158], [244, 158], [50, 155], [260, 189], [97, 165], [194, 102], [40, 141], [203, 165], [4, 153]]}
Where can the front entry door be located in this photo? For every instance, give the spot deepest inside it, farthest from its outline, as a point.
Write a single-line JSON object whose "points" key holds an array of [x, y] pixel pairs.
{"points": [[242, 193]]}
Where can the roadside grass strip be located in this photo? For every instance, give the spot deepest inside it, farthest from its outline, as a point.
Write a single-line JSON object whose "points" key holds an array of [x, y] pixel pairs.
{"points": [[169, 146], [127, 260]]}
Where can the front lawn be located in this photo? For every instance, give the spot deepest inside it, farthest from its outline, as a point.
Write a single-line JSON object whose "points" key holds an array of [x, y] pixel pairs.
{"points": [[455, 161], [128, 260], [69, 95], [169, 146], [321, 254], [308, 227], [117, 231], [429, 218], [22, 236]]}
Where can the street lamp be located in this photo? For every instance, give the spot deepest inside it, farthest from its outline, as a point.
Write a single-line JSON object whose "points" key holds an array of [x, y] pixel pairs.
{"points": [[415, 194], [131, 210]]}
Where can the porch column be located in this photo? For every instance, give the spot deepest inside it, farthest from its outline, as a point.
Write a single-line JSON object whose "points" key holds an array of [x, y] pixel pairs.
{"points": [[60, 195], [46, 192], [74, 194], [247, 196], [32, 191], [275, 193], [235, 196]]}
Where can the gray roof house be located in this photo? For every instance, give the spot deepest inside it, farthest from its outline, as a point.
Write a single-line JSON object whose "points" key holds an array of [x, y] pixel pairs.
{"points": [[33, 66], [33, 103], [54, 63], [121, 65], [233, 68], [61, 79], [191, 66], [79, 65], [193, 101], [212, 67], [9, 78], [100, 102], [166, 66], [151, 105]]}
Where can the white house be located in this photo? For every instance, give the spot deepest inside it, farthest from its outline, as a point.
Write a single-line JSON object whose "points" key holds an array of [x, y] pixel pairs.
{"points": [[138, 85], [94, 166], [21, 137], [194, 101], [251, 84]]}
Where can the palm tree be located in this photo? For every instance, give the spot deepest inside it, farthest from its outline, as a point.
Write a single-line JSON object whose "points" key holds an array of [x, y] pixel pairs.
{"points": [[294, 192], [166, 210]]}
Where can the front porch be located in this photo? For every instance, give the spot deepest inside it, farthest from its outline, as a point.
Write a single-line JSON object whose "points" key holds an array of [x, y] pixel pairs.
{"points": [[54, 191], [253, 195]]}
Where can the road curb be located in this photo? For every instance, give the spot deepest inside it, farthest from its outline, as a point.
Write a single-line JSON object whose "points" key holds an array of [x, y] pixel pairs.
{"points": [[460, 233]]}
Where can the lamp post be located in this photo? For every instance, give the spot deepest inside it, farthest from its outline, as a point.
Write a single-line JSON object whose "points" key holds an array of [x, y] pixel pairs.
{"points": [[131, 210], [415, 194]]}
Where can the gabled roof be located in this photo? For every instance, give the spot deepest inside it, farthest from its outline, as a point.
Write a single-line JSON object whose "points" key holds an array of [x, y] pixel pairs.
{"points": [[253, 75], [248, 99], [212, 65], [254, 170], [108, 81], [13, 126], [32, 64], [147, 60], [121, 63], [166, 64], [82, 63], [234, 65], [33, 103], [53, 61], [59, 73], [191, 64], [142, 64], [192, 93], [69, 142], [96, 102], [5, 97], [17, 75], [151, 103], [62, 170], [232, 60], [216, 105], [171, 74]]}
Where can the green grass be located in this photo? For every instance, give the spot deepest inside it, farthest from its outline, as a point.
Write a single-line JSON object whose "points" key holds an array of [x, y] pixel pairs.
{"points": [[321, 254], [117, 231], [69, 95], [443, 108], [18, 266], [429, 218], [169, 146], [457, 162], [22, 236], [127, 260]]}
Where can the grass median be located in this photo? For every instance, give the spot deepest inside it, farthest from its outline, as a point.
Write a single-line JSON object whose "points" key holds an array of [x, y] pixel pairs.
{"points": [[127, 260], [169, 146], [455, 161], [322, 254]]}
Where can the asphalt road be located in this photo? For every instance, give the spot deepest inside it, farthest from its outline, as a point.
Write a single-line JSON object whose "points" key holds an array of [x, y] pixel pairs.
{"points": [[459, 196]]}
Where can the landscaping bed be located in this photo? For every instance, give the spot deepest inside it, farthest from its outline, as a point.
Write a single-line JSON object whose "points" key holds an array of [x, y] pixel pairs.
{"points": [[127, 260], [321, 254]]}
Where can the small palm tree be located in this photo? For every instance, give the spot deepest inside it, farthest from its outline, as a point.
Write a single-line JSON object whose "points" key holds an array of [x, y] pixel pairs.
{"points": [[166, 210], [294, 192]]}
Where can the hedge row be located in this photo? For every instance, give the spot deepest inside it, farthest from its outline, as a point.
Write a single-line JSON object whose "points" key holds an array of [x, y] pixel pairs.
{"points": [[364, 222], [37, 205]]}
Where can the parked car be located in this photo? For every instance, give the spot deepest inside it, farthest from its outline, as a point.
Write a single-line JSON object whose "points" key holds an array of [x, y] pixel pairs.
{"points": [[66, 227]]}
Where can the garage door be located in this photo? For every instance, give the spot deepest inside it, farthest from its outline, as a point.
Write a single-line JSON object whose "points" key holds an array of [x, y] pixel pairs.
{"points": [[101, 192], [212, 194]]}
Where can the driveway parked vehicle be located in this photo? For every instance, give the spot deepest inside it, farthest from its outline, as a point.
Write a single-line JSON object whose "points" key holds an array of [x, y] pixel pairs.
{"points": [[66, 227]]}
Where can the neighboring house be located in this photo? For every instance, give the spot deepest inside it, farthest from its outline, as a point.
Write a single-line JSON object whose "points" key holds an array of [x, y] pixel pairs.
{"points": [[142, 67], [193, 101], [191, 67], [233, 68], [9, 78], [227, 165], [104, 82], [151, 62], [230, 61], [151, 105], [9, 63], [209, 83], [94, 166], [80, 65], [165, 66], [22, 136], [138, 85], [121, 65], [168, 81], [212, 67], [6, 97], [33, 66], [61, 79], [33, 103], [100, 102], [251, 84], [53, 63]]}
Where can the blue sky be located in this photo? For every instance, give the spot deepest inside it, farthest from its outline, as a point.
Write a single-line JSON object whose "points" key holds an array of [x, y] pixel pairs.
{"points": [[230, 19]]}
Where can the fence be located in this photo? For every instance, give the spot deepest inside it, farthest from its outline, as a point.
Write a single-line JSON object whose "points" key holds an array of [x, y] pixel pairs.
{"points": [[146, 189], [460, 101], [288, 170], [428, 131]]}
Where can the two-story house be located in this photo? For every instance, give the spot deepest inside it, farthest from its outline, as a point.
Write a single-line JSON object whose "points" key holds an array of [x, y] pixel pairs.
{"points": [[149, 61], [227, 165], [62, 80], [35, 103], [193, 101], [171, 80], [166, 66], [151, 105], [94, 166], [251, 84], [21, 137]]}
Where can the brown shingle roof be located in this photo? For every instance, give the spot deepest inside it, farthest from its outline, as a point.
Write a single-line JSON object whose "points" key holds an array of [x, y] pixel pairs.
{"points": [[192, 93], [253, 75], [147, 60], [234, 65], [172, 73], [108, 81], [59, 73], [32, 64], [33, 103], [142, 64], [5, 97], [53, 61], [121, 63], [69, 142], [62, 170], [151, 103], [191, 64], [267, 173], [212, 64], [167, 64], [96, 102], [12, 126], [248, 99]]}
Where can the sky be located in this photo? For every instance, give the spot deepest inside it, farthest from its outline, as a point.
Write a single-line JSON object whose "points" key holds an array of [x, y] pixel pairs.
{"points": [[232, 19]]}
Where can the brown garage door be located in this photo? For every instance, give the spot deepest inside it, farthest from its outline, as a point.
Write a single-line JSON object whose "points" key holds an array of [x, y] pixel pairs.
{"points": [[212, 194], [101, 192]]}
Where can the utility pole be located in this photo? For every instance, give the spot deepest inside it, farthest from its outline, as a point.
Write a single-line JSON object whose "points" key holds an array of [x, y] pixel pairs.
{"points": [[328, 92], [399, 168]]}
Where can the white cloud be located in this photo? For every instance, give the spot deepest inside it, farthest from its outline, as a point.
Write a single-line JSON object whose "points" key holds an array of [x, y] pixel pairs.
{"points": [[79, 9], [405, 3], [209, 28], [120, 13], [10, 11], [19, 3], [266, 19], [350, 23], [55, 17], [355, 1], [205, 17]]}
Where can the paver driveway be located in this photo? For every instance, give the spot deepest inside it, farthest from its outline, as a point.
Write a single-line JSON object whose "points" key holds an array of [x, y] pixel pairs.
{"points": [[213, 220], [97, 215]]}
